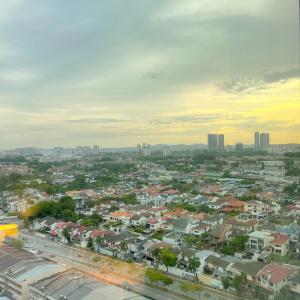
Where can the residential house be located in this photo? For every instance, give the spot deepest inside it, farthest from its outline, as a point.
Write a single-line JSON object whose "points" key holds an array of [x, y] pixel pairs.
{"points": [[216, 266], [138, 220], [279, 244], [274, 277], [258, 241], [183, 225], [247, 225], [218, 235]]}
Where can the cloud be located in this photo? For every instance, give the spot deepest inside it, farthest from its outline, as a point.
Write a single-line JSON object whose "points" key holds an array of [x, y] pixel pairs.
{"points": [[99, 67], [96, 121], [250, 85]]}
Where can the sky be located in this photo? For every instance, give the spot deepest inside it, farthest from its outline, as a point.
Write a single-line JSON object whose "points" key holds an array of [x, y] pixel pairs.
{"points": [[117, 73]]}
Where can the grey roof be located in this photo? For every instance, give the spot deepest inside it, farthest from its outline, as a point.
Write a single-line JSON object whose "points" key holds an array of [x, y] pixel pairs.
{"points": [[187, 252], [251, 268], [181, 223], [75, 285], [118, 237], [217, 261]]}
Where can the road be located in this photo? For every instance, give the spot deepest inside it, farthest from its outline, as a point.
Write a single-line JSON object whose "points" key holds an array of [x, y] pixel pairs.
{"points": [[75, 258], [110, 270]]}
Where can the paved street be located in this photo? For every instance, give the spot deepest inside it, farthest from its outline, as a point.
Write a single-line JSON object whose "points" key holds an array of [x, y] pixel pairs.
{"points": [[75, 258], [108, 269]]}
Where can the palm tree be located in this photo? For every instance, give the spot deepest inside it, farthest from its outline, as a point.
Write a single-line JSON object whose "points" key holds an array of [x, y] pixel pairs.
{"points": [[123, 246], [66, 234], [194, 264], [156, 252], [99, 242]]}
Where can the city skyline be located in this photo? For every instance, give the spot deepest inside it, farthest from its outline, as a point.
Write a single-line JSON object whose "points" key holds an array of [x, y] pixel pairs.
{"points": [[164, 71]]}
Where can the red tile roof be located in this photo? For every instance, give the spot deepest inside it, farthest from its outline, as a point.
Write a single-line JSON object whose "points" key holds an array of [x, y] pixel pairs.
{"points": [[279, 238], [277, 272]]}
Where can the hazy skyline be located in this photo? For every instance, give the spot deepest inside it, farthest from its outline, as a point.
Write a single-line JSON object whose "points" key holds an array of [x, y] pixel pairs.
{"points": [[117, 73]]}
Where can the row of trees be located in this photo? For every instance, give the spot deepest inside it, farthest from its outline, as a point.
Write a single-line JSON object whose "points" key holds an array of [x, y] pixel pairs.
{"points": [[158, 277]]}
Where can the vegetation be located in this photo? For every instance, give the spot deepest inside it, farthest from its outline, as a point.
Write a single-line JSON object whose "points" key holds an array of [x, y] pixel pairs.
{"points": [[286, 294], [292, 154], [168, 258], [156, 276], [225, 283], [194, 264], [227, 174], [156, 253], [18, 244], [90, 244], [287, 259], [194, 241], [63, 209], [239, 282], [293, 172], [238, 244], [94, 220], [190, 207], [190, 287], [158, 235], [292, 190], [66, 234]]}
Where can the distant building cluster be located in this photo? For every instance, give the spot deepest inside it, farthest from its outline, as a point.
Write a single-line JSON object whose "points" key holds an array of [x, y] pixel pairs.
{"points": [[144, 149]]}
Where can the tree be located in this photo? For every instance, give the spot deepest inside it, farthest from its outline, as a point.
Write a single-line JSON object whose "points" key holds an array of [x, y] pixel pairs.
{"points": [[194, 264], [168, 258], [94, 220], [158, 276], [238, 282], [67, 202], [237, 244], [166, 280], [123, 246], [66, 234], [226, 174], [156, 252], [78, 183], [191, 287], [225, 283], [99, 242], [18, 244], [90, 244]]}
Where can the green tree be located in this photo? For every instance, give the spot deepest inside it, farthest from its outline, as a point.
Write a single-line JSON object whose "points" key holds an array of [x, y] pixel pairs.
{"points": [[123, 246], [225, 283], [99, 242], [239, 282], [189, 287], [18, 244], [168, 258], [90, 244], [237, 244], [66, 234], [194, 264], [156, 276], [156, 252]]}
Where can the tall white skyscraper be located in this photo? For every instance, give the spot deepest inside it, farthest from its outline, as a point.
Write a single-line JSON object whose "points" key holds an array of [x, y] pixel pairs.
{"points": [[221, 143], [264, 141], [215, 142], [261, 141]]}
